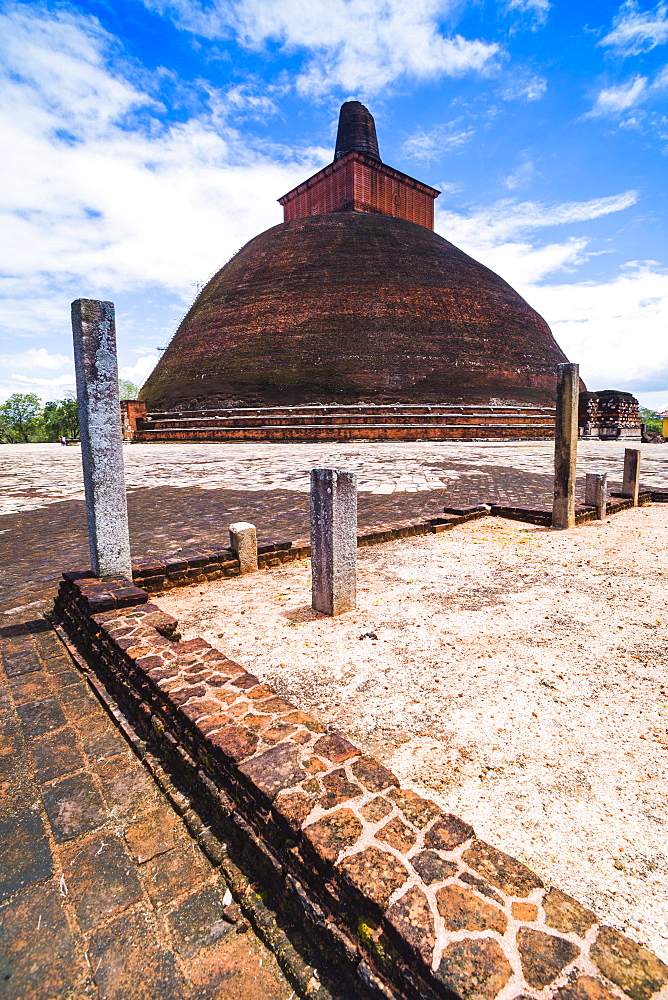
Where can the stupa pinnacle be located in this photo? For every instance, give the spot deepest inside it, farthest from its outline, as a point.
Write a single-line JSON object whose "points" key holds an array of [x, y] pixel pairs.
{"points": [[354, 298], [357, 131]]}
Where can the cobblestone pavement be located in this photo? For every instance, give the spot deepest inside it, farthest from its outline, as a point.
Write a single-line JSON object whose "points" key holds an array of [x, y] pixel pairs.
{"points": [[102, 892], [32, 476], [186, 495]]}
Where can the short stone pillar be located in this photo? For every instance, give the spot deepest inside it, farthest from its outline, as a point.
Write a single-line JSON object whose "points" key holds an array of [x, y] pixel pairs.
{"points": [[333, 540], [243, 540], [565, 446], [96, 368], [596, 493], [631, 482]]}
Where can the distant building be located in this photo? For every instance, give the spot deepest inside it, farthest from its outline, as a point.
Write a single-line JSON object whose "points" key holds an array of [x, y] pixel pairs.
{"points": [[609, 415], [664, 426]]}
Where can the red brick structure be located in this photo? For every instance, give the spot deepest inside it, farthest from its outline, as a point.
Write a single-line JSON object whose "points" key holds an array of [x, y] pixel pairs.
{"points": [[354, 299], [609, 415], [358, 180]]}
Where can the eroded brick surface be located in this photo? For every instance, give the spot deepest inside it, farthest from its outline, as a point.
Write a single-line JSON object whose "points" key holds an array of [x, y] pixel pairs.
{"points": [[376, 874], [565, 914], [630, 966], [412, 918], [476, 969], [93, 858], [544, 956], [463, 910], [501, 870]]}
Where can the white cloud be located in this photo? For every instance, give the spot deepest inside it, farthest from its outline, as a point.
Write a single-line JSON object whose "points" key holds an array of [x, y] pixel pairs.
{"points": [[97, 196], [524, 86], [614, 100], [50, 383], [536, 9], [35, 370], [355, 45], [493, 225], [615, 329], [521, 176], [425, 146], [635, 31], [35, 360], [140, 371]]}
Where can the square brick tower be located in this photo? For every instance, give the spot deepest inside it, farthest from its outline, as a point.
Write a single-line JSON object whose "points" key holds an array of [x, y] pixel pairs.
{"points": [[358, 181]]}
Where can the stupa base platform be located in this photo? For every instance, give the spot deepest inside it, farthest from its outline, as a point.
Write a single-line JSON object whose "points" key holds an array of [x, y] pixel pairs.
{"points": [[362, 422]]}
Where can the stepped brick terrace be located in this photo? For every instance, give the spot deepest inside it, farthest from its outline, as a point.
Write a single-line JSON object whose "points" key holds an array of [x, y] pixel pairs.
{"points": [[399, 422]]}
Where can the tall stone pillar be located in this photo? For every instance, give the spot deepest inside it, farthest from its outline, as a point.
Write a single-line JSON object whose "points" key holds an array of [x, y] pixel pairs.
{"points": [[565, 446], [333, 540], [96, 367], [631, 482]]}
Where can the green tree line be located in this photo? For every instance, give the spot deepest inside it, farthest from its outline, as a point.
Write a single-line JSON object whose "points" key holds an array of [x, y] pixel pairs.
{"points": [[25, 418], [651, 419]]}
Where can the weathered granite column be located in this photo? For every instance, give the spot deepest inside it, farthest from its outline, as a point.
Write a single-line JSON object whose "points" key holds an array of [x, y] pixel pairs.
{"points": [[243, 540], [596, 493], [565, 446], [96, 367], [631, 482], [333, 540]]}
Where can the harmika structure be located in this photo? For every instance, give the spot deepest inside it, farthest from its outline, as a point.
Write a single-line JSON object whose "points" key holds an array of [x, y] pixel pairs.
{"points": [[353, 318]]}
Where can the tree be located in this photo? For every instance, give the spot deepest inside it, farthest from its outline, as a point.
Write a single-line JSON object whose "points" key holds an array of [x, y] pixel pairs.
{"points": [[22, 417], [650, 418], [6, 435], [61, 418], [128, 390]]}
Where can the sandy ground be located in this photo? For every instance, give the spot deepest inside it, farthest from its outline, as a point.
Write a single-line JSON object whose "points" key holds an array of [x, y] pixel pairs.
{"points": [[514, 674]]}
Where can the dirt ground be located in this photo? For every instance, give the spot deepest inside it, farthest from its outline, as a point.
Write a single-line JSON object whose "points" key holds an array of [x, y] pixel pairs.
{"points": [[515, 674]]}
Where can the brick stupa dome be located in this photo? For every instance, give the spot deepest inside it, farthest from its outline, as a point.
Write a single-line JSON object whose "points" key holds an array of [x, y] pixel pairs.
{"points": [[354, 298]]}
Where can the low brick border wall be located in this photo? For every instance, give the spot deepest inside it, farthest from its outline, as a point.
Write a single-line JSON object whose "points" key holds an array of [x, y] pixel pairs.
{"points": [[401, 895], [212, 564], [583, 513], [196, 566]]}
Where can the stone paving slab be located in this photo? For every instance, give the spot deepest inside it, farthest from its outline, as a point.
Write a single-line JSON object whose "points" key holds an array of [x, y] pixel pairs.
{"points": [[103, 893], [35, 475]]}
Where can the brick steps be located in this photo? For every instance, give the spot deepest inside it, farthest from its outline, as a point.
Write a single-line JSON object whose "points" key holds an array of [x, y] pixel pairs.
{"points": [[340, 423]]}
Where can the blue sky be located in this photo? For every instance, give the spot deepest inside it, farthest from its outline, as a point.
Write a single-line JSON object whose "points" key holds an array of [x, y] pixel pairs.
{"points": [[145, 142]]}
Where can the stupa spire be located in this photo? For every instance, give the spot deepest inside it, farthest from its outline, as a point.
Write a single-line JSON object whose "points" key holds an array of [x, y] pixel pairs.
{"points": [[357, 131]]}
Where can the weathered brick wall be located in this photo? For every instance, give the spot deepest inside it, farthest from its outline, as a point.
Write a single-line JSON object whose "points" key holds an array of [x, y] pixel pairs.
{"points": [[608, 414], [399, 892], [133, 411], [332, 423], [359, 183], [349, 306], [196, 566]]}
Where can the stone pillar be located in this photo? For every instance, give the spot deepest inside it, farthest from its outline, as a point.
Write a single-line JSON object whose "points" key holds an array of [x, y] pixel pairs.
{"points": [[565, 446], [333, 540], [94, 330], [596, 493], [631, 483], [243, 540]]}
